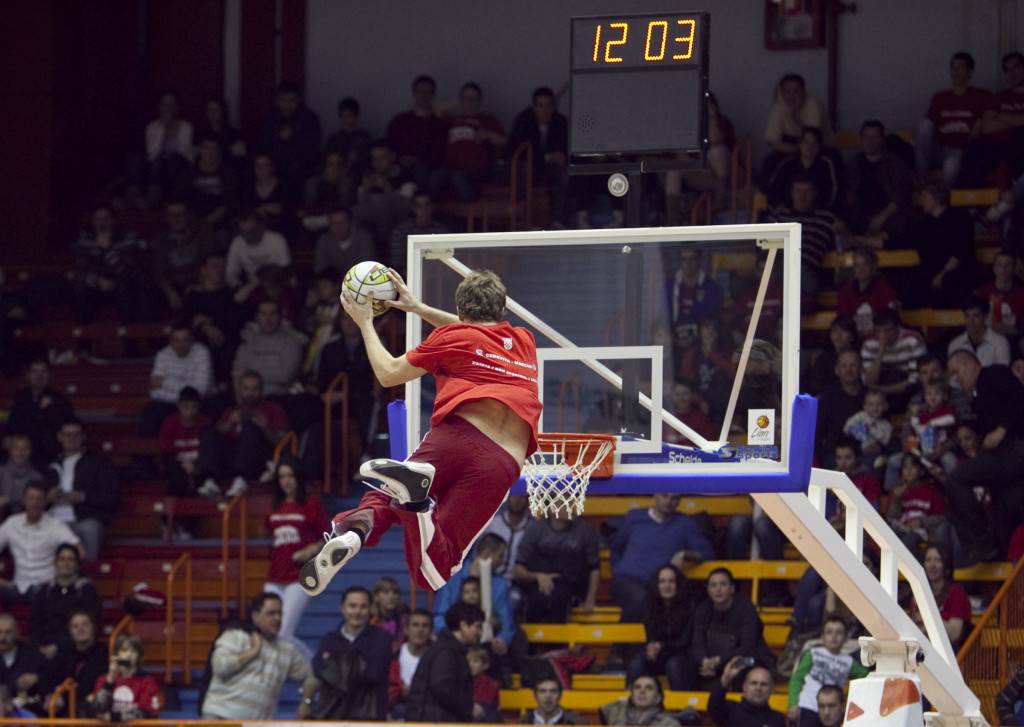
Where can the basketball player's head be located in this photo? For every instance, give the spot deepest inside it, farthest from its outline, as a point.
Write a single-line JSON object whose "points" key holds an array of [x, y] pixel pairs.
{"points": [[480, 298]]}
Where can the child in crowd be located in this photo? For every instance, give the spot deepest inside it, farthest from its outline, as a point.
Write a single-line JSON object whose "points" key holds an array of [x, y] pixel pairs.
{"points": [[849, 461], [928, 433], [871, 428], [917, 510], [179, 449], [485, 689], [687, 409], [818, 666]]}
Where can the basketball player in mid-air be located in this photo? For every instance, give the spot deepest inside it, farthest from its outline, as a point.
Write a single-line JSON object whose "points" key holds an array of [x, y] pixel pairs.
{"points": [[484, 425]]}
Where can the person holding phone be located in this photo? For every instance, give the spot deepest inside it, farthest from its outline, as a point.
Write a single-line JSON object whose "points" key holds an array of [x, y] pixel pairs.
{"points": [[125, 692]]}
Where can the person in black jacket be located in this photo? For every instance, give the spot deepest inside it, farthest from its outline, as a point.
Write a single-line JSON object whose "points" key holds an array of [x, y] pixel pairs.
{"points": [[442, 687], [668, 612], [352, 663], [83, 490], [547, 132], [21, 666], [998, 403], [37, 412], [725, 627], [752, 710], [54, 602], [80, 657]]}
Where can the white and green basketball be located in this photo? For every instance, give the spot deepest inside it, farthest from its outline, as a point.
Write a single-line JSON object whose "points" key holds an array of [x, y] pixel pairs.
{"points": [[369, 276]]}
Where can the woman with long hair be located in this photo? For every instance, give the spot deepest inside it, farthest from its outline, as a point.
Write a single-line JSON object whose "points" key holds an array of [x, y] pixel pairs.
{"points": [[954, 605], [296, 525], [668, 609], [387, 610]]}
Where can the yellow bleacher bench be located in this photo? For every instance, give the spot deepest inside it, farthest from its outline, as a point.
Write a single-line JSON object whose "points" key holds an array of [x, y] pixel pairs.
{"points": [[886, 259], [973, 197], [986, 255], [592, 700], [611, 506], [575, 634]]}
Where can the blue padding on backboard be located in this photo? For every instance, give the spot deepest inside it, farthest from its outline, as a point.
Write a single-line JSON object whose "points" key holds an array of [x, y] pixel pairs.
{"points": [[396, 430]]}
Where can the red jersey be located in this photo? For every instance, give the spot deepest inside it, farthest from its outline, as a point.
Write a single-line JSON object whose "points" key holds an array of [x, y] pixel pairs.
{"points": [[472, 362], [180, 440], [868, 485], [277, 420], [485, 691], [956, 605], [862, 305], [921, 500], [130, 694], [955, 115], [1005, 307], [292, 527], [1007, 102], [465, 150]]}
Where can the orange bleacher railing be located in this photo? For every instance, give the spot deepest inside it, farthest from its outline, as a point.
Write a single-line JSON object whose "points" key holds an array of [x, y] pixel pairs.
{"points": [[994, 650], [702, 205], [742, 150], [184, 560], [65, 693], [290, 440], [225, 551], [127, 623], [524, 149], [339, 384]]}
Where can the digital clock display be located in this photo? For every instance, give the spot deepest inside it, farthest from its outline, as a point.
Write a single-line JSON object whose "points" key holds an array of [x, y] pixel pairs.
{"points": [[634, 41]]}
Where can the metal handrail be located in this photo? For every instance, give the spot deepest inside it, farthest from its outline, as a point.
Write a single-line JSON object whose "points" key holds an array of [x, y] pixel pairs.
{"points": [[291, 440], [526, 148], [225, 550], [703, 203], [68, 687], [127, 623], [185, 559], [338, 382]]}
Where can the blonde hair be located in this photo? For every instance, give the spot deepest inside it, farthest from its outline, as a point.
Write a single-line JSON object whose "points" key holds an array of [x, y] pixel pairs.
{"points": [[480, 297]]}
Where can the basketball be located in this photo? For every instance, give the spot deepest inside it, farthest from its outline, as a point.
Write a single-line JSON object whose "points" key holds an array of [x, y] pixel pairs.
{"points": [[369, 276]]}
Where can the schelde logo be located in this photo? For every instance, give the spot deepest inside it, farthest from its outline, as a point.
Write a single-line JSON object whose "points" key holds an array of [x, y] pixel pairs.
{"points": [[507, 343], [761, 426]]}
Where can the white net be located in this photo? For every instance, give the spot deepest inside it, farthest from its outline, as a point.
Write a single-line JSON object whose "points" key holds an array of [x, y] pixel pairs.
{"points": [[558, 473]]}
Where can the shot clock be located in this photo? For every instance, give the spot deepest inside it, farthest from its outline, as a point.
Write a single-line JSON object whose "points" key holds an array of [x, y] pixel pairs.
{"points": [[638, 84]]}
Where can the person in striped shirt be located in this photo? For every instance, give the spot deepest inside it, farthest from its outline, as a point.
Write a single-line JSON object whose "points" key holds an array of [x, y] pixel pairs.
{"points": [[890, 356]]}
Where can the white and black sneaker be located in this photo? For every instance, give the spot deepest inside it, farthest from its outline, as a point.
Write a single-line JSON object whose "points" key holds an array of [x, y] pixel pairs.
{"points": [[407, 482], [337, 551]]}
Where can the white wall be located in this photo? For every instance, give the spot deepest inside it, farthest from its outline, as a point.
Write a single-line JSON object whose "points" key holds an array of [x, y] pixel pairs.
{"points": [[893, 53]]}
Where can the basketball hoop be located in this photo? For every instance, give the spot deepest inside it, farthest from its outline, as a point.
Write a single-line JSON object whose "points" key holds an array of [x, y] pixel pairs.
{"points": [[558, 473]]}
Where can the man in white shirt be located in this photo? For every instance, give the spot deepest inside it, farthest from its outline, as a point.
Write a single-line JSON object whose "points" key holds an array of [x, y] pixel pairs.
{"points": [[254, 247], [183, 362], [407, 658], [33, 537], [990, 347]]}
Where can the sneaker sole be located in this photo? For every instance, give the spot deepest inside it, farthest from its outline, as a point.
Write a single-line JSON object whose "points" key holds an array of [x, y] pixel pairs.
{"points": [[317, 572]]}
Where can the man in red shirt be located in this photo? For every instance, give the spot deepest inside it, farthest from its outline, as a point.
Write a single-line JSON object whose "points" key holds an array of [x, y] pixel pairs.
{"points": [[999, 146], [474, 139], [1005, 297], [483, 426]]}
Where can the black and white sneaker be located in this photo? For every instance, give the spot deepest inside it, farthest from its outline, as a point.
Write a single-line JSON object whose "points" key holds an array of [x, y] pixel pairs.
{"points": [[407, 482], [337, 551]]}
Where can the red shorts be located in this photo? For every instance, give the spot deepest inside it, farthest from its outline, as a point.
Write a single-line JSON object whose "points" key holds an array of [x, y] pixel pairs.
{"points": [[472, 479]]}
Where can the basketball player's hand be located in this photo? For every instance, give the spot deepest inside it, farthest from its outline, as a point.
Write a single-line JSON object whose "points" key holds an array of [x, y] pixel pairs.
{"points": [[406, 301], [359, 312]]}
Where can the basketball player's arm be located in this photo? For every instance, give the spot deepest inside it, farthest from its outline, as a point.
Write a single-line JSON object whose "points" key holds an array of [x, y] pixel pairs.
{"points": [[389, 370], [410, 304]]}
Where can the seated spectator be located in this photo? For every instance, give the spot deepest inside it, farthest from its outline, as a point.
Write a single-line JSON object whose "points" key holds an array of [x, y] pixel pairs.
{"points": [[931, 369], [839, 401], [807, 163], [644, 706], [211, 187], [1009, 698], [177, 252], [387, 612], [990, 347], [268, 196], [842, 336], [871, 429], [818, 235], [22, 668], [346, 693], [951, 598], [37, 411], [793, 110], [686, 407], [692, 296], [80, 655], [953, 118], [15, 473], [917, 509], [216, 124], [945, 242], [649, 537], [558, 566], [547, 132], [725, 626], [1005, 297], [419, 136], [83, 488], [890, 355], [271, 350], [442, 687], [830, 701], [866, 294], [32, 536], [291, 135], [8, 708], [242, 442], [474, 138], [350, 142], [182, 363], [405, 660], [510, 525], [666, 618], [384, 194], [108, 271], [331, 187], [179, 448], [254, 247], [296, 525], [752, 710], [928, 433], [421, 222], [880, 189], [849, 459], [343, 244], [819, 666], [168, 146], [714, 177], [216, 319], [125, 692], [486, 707], [56, 601], [248, 668], [547, 692], [276, 284], [708, 363], [999, 143]]}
